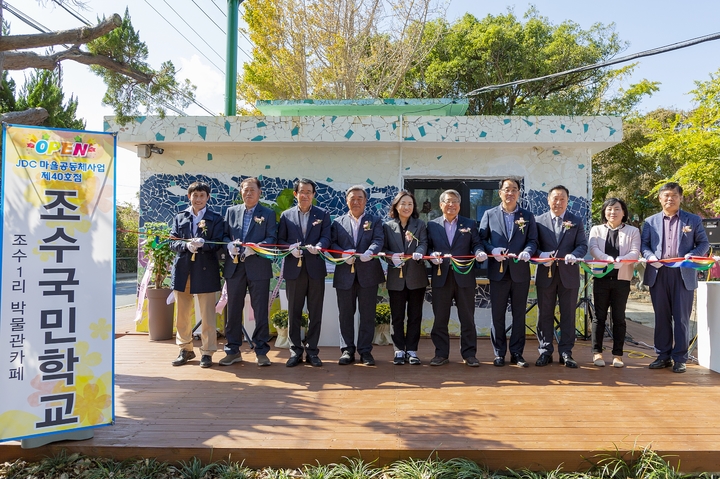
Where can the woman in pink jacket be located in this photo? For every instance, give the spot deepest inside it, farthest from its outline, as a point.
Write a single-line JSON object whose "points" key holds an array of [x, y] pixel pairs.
{"points": [[612, 241]]}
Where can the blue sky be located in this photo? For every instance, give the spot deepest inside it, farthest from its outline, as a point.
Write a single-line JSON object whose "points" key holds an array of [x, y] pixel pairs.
{"points": [[644, 24]]}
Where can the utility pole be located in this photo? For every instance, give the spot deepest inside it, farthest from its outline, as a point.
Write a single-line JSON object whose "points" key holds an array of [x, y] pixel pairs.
{"points": [[231, 58]]}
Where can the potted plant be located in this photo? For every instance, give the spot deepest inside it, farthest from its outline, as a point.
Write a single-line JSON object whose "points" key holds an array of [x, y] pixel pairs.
{"points": [[280, 320], [159, 256], [383, 329]]}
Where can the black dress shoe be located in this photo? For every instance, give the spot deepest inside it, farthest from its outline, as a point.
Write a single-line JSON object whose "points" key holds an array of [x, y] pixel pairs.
{"points": [[183, 357], [472, 362], [438, 361], [544, 360], [346, 358], [499, 362], [205, 361], [568, 361], [314, 361], [661, 363], [519, 360], [367, 359], [293, 361], [679, 367]]}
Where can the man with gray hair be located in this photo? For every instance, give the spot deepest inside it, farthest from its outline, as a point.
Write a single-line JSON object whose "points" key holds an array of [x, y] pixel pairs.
{"points": [[358, 235], [449, 236]]}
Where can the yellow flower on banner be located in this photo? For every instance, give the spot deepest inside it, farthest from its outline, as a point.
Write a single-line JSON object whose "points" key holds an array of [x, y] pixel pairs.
{"points": [[17, 423], [101, 329], [87, 360], [90, 403]]}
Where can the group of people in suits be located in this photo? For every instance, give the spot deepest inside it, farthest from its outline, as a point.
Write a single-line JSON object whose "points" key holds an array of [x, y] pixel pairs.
{"points": [[507, 235]]}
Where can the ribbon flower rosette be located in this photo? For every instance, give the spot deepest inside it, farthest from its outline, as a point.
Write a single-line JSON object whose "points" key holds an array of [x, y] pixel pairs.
{"points": [[687, 229], [316, 222], [202, 227], [259, 219], [567, 225], [367, 225], [409, 237], [464, 230], [521, 223]]}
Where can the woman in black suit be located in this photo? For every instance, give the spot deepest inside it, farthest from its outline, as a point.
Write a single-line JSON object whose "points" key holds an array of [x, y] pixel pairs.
{"points": [[405, 235]]}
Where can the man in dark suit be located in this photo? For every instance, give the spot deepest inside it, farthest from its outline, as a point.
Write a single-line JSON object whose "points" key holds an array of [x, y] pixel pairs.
{"points": [[306, 230], [450, 236], [672, 233], [196, 271], [560, 235], [356, 283], [248, 224], [508, 231]]}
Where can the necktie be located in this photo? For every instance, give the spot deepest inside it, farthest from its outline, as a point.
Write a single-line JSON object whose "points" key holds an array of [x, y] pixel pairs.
{"points": [[558, 228], [246, 223]]}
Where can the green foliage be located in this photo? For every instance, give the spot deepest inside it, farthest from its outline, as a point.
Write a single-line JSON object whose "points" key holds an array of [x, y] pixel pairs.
{"points": [[194, 469], [130, 97], [44, 89], [7, 93], [473, 53], [281, 317], [157, 249], [126, 237], [382, 314]]}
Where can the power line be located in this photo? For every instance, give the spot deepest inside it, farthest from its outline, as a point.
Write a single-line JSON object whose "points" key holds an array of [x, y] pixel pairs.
{"points": [[191, 28], [646, 53], [209, 17], [221, 10], [186, 39], [73, 13]]}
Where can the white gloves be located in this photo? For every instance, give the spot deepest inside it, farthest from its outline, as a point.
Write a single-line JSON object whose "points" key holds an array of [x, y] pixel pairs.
{"points": [[233, 248], [295, 250], [348, 256], [653, 260], [524, 256], [195, 244], [570, 259], [313, 249], [547, 254], [497, 253], [417, 256], [396, 259], [191, 247], [688, 256], [481, 256], [610, 259], [436, 257], [366, 256]]}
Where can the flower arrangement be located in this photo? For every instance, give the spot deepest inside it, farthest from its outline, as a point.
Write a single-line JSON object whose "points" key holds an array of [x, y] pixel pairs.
{"points": [[520, 222], [259, 219], [202, 227], [280, 319], [567, 225], [687, 229], [464, 230], [316, 222], [367, 225], [382, 314]]}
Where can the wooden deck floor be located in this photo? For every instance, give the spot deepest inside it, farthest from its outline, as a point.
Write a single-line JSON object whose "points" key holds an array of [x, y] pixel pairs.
{"points": [[501, 417]]}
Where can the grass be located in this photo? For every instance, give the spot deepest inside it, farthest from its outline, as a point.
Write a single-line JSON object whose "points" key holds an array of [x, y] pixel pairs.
{"points": [[640, 464]]}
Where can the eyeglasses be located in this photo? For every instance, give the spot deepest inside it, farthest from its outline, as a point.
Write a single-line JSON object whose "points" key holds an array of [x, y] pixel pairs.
{"points": [[510, 190], [451, 202]]}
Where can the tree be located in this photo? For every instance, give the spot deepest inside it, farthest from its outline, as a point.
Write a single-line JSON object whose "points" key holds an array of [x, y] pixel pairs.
{"points": [[473, 53], [43, 89], [114, 52], [126, 240], [692, 142], [333, 49]]}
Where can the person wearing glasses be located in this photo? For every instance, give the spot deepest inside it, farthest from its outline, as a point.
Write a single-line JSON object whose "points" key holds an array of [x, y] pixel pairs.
{"points": [[451, 236], [612, 241], [405, 235], [509, 233], [672, 233]]}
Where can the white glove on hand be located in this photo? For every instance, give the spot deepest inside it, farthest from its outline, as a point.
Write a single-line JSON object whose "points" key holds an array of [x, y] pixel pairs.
{"points": [[688, 256], [197, 242], [481, 256], [233, 248], [366, 256], [653, 260], [436, 257], [248, 251], [348, 256], [295, 250], [524, 256], [396, 259], [191, 247], [570, 259], [546, 254], [417, 256], [313, 249], [610, 259], [497, 253]]}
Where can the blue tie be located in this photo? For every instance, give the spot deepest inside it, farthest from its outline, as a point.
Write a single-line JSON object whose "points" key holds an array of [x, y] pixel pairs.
{"points": [[246, 222]]}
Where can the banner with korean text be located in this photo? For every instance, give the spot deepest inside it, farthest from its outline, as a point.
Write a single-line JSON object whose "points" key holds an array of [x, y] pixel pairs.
{"points": [[58, 269]]}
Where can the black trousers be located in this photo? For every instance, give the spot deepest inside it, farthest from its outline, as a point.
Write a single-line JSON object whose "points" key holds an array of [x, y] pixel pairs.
{"points": [[500, 292], [548, 297], [297, 291], [350, 300], [442, 298], [672, 303], [610, 293], [237, 287], [412, 299]]}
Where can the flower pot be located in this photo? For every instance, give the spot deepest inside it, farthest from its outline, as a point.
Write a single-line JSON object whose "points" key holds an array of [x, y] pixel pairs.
{"points": [[282, 340], [383, 334], [160, 314]]}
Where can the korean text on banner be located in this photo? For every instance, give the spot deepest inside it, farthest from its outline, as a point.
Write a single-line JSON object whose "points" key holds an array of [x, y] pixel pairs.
{"points": [[56, 300]]}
